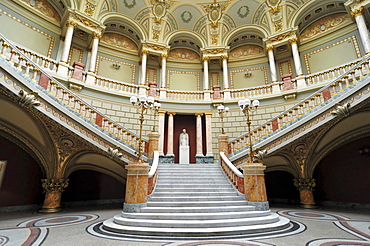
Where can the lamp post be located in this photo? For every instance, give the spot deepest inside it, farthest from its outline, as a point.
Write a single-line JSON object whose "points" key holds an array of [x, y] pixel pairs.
{"points": [[248, 111], [142, 104], [222, 111]]}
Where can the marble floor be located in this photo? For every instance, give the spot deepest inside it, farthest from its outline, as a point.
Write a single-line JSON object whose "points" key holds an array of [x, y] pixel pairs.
{"points": [[80, 226]]}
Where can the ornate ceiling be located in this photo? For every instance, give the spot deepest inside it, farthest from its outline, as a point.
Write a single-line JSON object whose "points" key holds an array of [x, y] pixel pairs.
{"points": [[192, 24]]}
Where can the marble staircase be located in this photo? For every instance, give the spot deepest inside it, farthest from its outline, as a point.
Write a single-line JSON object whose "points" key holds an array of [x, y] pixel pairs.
{"points": [[195, 201]]}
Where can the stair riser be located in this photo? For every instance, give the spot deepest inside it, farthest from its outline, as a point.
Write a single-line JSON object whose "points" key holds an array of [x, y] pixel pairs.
{"points": [[157, 190], [195, 199], [171, 186], [186, 224], [196, 204], [196, 209], [192, 216], [191, 194]]}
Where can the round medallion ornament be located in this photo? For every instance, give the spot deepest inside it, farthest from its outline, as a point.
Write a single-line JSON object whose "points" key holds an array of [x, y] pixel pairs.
{"points": [[129, 5], [243, 11], [186, 16]]}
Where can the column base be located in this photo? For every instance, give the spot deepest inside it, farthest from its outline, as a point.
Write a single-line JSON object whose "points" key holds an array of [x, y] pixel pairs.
{"points": [[133, 208], [260, 206], [167, 159], [50, 210], [311, 206], [204, 159]]}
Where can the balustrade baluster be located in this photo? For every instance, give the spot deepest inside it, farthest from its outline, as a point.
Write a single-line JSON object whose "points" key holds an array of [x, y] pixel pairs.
{"points": [[281, 121], [313, 105], [87, 112], [70, 96], [334, 88], [105, 123], [318, 98], [3, 50], [20, 61], [264, 127], [296, 113], [269, 128], [92, 115], [353, 76], [346, 80], [28, 66], [34, 75], [307, 103], [81, 110], [75, 106], [359, 68], [51, 89], [58, 89]]}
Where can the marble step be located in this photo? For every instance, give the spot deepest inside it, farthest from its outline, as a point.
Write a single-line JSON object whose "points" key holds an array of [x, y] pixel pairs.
{"points": [[189, 209], [196, 215], [176, 193], [197, 203], [272, 218], [188, 189], [195, 232], [196, 199], [189, 185]]}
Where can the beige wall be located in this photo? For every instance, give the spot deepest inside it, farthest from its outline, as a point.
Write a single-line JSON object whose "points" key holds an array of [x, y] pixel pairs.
{"points": [[239, 81], [184, 81], [25, 35], [126, 73]]}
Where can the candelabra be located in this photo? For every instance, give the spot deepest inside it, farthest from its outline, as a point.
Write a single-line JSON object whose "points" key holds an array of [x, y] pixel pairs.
{"points": [[222, 111], [248, 111], [142, 105]]}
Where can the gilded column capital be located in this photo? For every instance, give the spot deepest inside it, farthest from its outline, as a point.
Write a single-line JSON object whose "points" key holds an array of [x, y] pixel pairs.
{"points": [[304, 184], [224, 57], [144, 52], [164, 56], [71, 23], [171, 113], [54, 185], [205, 58], [357, 12], [269, 48], [162, 112], [198, 114], [96, 35], [208, 114], [293, 41]]}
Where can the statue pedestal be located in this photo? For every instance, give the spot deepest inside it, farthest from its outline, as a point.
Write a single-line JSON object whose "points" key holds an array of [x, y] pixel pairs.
{"points": [[184, 154]]}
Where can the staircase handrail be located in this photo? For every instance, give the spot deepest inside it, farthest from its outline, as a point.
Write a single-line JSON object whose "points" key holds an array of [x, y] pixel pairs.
{"points": [[152, 175], [302, 102], [154, 166], [230, 165], [233, 174], [42, 70]]}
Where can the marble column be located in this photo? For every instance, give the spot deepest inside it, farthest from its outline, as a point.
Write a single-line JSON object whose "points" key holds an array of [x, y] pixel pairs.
{"points": [[153, 145], [136, 187], [71, 25], [142, 86], [223, 143], [227, 95], [161, 120], [94, 51], [63, 66], [199, 140], [270, 51], [53, 194], [358, 14], [297, 61], [163, 87], [254, 185], [209, 134], [305, 187], [170, 134], [207, 92], [300, 80]]}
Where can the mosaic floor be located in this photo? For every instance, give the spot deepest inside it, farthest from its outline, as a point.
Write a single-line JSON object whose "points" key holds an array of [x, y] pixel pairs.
{"points": [[315, 227]]}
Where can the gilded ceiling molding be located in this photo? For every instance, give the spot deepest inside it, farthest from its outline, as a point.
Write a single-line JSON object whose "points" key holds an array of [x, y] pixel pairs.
{"points": [[281, 38], [90, 8], [160, 8], [214, 11]]}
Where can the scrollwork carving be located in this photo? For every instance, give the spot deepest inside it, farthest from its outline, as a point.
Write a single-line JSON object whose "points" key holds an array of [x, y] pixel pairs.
{"points": [[28, 99], [341, 110]]}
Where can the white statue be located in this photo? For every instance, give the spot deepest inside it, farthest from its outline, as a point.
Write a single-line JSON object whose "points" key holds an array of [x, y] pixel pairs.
{"points": [[184, 138]]}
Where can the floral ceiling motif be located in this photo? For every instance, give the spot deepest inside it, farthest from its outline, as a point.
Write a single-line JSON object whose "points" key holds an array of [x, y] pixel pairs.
{"points": [[119, 41], [324, 25], [184, 54], [44, 7], [246, 50]]}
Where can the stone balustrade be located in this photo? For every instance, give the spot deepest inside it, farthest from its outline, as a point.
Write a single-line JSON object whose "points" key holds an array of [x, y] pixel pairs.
{"points": [[304, 107], [30, 66]]}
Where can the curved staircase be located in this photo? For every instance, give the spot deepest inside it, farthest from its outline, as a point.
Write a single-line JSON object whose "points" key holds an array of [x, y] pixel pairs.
{"points": [[195, 201]]}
